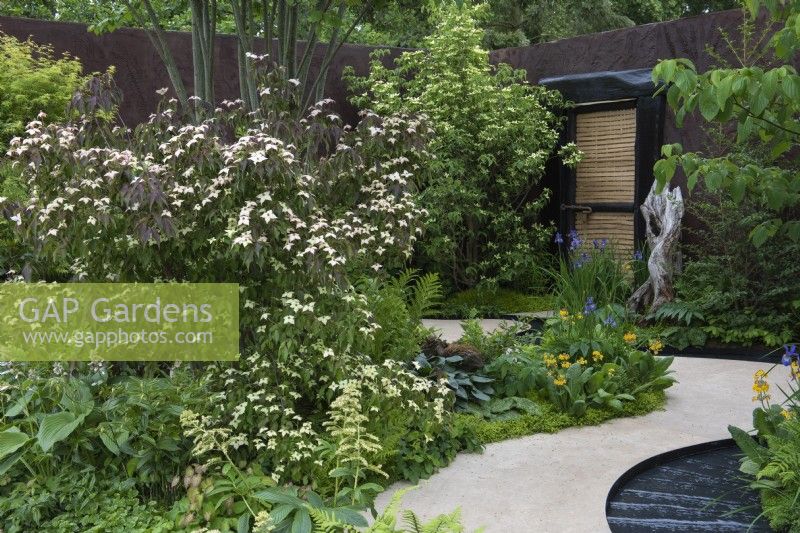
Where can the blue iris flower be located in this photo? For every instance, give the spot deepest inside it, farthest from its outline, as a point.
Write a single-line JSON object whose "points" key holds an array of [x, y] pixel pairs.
{"points": [[559, 239], [789, 354], [638, 255], [590, 306], [600, 244], [574, 240], [609, 321]]}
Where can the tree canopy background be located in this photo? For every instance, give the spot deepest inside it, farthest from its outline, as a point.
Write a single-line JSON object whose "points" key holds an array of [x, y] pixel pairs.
{"points": [[401, 22]]}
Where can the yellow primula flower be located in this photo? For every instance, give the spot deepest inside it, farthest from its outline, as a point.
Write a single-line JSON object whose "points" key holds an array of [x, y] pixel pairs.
{"points": [[581, 361], [563, 357], [656, 346], [787, 414], [597, 356], [629, 337], [610, 371], [760, 386], [564, 314], [560, 381], [566, 364]]}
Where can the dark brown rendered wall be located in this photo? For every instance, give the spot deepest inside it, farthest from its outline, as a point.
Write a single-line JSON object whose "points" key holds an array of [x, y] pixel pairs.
{"points": [[631, 48], [140, 72]]}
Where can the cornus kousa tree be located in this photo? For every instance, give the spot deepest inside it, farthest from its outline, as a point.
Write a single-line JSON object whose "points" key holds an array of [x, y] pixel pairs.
{"points": [[290, 208]]}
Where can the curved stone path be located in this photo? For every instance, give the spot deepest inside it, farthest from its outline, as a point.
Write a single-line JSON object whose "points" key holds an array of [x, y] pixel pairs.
{"points": [[559, 482]]}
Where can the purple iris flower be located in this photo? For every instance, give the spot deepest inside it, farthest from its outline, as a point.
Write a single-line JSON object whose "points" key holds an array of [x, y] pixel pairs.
{"points": [[574, 240], [789, 354], [638, 255], [559, 239], [600, 244], [590, 307], [609, 321]]}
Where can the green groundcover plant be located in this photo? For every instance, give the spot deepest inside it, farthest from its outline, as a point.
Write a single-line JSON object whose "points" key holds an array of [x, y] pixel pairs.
{"points": [[488, 302], [494, 133]]}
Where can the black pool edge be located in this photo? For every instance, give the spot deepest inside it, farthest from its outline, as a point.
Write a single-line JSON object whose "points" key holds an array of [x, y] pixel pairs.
{"points": [[660, 459]]}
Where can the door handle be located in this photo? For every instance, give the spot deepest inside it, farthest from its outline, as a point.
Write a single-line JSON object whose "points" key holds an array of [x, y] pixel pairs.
{"points": [[579, 208]]}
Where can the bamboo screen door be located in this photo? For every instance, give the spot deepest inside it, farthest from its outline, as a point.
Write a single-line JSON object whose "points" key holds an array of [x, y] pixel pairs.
{"points": [[617, 124]]}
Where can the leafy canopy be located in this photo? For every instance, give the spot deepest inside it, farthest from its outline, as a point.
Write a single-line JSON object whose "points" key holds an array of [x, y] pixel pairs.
{"points": [[494, 135], [763, 104], [32, 79]]}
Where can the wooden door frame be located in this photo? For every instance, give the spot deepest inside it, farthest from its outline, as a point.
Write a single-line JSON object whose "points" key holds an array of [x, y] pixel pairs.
{"points": [[647, 148]]}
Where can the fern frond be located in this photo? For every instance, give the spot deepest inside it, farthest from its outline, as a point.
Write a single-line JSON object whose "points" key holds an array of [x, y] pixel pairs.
{"points": [[405, 279], [325, 521], [425, 296], [450, 523], [387, 520], [412, 522]]}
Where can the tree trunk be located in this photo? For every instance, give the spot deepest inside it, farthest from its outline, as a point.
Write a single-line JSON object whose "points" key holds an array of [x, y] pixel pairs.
{"points": [[662, 214]]}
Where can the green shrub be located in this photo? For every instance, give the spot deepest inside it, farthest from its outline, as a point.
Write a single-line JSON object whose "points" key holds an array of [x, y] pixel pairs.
{"points": [[290, 209], [494, 135], [62, 435], [493, 344], [755, 300], [33, 80]]}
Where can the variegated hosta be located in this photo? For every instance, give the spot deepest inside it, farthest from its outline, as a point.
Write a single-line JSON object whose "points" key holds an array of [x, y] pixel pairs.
{"points": [[290, 209]]}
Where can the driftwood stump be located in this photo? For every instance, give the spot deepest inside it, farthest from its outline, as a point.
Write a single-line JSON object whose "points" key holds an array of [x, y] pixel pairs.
{"points": [[662, 214]]}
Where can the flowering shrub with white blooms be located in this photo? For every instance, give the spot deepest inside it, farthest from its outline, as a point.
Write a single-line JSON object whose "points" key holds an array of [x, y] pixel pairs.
{"points": [[290, 209]]}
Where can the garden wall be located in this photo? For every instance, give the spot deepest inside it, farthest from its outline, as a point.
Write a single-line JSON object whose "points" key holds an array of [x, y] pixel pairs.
{"points": [[140, 72], [626, 49], [632, 48]]}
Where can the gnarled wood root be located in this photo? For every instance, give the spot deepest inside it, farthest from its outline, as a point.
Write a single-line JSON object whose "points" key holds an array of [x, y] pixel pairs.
{"points": [[662, 214]]}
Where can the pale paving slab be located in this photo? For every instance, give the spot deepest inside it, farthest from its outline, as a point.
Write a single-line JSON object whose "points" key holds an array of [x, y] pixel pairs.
{"points": [[559, 482], [451, 330]]}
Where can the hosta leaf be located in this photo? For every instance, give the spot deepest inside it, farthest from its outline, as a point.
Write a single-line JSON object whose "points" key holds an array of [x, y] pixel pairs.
{"points": [[9, 461], [349, 516], [280, 512], [301, 522], [276, 495], [243, 525], [56, 427], [480, 395], [19, 405], [11, 440]]}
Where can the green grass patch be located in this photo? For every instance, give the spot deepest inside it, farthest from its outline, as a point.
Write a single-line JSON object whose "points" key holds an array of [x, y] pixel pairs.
{"points": [[492, 304], [550, 420]]}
